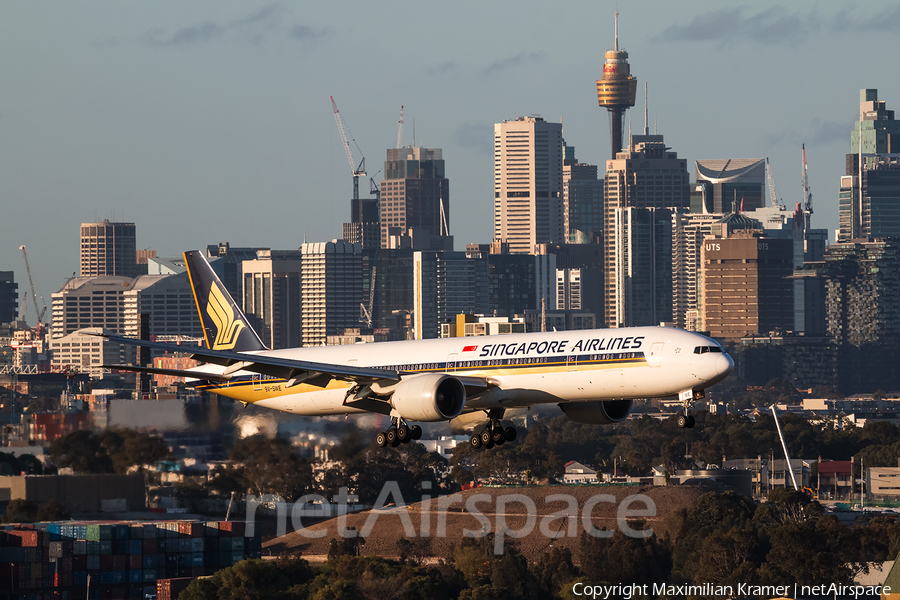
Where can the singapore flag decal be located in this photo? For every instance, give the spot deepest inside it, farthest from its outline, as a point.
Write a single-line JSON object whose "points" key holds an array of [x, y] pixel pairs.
{"points": [[470, 348]]}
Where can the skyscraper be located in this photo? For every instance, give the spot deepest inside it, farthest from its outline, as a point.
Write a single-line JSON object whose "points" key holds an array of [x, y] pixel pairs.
{"points": [[108, 249], [528, 183], [331, 289], [869, 197], [9, 297], [415, 198], [272, 298], [447, 284], [740, 179], [582, 201], [645, 176]]}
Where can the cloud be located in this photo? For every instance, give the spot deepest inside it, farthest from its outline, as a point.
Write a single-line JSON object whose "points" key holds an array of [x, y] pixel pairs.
{"points": [[442, 68], [886, 20], [511, 62], [770, 26], [827, 132], [475, 137], [820, 133], [254, 28]]}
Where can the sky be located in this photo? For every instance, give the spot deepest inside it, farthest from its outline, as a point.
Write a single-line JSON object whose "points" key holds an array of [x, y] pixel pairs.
{"points": [[206, 122]]}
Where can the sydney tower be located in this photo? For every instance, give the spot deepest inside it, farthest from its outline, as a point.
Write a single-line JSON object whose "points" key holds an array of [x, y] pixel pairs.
{"points": [[616, 90]]}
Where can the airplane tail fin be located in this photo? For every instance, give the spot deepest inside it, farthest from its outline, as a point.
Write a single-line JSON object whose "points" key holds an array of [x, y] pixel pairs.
{"points": [[225, 326]]}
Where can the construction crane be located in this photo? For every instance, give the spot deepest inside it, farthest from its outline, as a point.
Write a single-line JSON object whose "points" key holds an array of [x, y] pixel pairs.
{"points": [[38, 313], [400, 129], [807, 195], [772, 194], [360, 170], [365, 312]]}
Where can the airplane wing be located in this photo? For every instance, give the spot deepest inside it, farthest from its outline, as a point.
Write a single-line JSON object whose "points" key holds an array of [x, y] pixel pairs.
{"points": [[294, 371]]}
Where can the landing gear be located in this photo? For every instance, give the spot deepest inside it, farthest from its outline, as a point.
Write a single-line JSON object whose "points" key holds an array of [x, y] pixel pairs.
{"points": [[688, 397], [398, 433], [493, 433]]}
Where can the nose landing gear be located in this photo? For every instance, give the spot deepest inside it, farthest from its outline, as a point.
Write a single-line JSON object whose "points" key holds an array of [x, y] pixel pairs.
{"points": [[688, 398]]}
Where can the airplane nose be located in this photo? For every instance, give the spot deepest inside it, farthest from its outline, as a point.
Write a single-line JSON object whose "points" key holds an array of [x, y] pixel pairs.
{"points": [[724, 365]]}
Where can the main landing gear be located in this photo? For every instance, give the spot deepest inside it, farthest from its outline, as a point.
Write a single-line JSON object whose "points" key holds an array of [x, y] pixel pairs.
{"points": [[398, 433], [688, 397], [493, 434]]}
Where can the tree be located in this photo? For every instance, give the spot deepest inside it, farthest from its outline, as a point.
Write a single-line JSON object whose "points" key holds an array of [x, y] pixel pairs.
{"points": [[272, 467], [20, 511]]}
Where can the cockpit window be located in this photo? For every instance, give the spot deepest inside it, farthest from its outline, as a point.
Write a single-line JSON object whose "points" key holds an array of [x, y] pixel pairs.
{"points": [[705, 349]]}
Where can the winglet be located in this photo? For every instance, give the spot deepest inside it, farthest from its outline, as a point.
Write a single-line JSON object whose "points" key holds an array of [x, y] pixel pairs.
{"points": [[225, 327]]}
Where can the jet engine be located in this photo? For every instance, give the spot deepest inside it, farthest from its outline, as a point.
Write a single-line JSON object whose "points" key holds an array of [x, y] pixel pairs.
{"points": [[429, 397], [597, 412]]}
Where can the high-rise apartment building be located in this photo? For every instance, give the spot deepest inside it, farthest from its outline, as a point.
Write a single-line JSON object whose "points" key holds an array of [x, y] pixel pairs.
{"points": [[331, 289], [528, 183], [647, 175], [415, 198], [108, 249], [869, 197], [272, 297], [688, 232], [734, 179]]}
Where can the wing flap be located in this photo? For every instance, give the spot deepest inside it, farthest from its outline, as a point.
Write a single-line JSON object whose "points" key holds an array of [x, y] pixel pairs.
{"points": [[172, 372]]}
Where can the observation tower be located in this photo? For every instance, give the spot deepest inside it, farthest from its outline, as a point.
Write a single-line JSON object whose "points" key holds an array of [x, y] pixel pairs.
{"points": [[616, 90]]}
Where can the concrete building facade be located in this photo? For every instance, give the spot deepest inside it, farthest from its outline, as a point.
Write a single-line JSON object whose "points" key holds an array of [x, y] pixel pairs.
{"points": [[647, 175], [528, 183], [108, 249], [272, 297], [415, 197], [331, 289]]}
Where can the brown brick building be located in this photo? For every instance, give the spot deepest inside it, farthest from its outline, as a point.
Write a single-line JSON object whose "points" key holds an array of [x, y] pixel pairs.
{"points": [[745, 285]]}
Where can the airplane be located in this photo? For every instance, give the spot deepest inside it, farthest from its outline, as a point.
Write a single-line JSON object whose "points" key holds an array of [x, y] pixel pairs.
{"points": [[592, 375]]}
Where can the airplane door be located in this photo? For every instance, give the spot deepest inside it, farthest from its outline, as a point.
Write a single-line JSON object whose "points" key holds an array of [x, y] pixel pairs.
{"points": [[572, 362], [451, 362], [257, 382], [655, 358]]}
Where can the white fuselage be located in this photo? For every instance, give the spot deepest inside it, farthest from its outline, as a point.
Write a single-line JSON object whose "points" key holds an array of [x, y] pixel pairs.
{"points": [[522, 369]]}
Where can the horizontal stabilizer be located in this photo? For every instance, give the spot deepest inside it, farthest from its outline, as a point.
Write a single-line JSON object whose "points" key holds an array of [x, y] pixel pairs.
{"points": [[172, 372]]}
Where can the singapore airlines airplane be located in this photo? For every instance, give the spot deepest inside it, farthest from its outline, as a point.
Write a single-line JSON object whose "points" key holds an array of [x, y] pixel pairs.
{"points": [[592, 375]]}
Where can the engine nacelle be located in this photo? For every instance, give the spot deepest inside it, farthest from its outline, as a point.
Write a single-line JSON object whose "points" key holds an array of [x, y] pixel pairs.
{"points": [[430, 397], [597, 412]]}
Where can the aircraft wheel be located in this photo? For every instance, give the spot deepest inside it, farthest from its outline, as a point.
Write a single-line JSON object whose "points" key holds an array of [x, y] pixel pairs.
{"points": [[415, 432], [486, 438], [489, 445], [682, 421], [510, 434], [691, 421], [475, 440], [497, 436], [403, 433], [391, 435], [381, 439]]}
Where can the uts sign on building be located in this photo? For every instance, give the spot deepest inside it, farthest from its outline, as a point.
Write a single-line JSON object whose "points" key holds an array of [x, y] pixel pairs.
{"points": [[745, 287]]}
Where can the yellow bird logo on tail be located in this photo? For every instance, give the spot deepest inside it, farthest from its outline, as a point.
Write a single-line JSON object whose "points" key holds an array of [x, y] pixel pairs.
{"points": [[227, 327]]}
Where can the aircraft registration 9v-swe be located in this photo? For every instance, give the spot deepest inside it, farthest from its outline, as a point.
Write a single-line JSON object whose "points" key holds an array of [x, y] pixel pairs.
{"points": [[593, 375]]}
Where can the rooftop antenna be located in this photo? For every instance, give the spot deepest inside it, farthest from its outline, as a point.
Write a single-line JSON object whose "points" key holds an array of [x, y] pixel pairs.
{"points": [[646, 121], [617, 29], [655, 118]]}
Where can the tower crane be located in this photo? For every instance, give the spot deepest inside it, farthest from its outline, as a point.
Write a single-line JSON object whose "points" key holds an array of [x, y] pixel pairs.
{"points": [[38, 313], [400, 129], [357, 171], [807, 195]]}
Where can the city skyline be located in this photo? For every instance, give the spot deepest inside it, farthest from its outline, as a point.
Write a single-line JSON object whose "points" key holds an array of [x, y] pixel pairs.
{"points": [[187, 120]]}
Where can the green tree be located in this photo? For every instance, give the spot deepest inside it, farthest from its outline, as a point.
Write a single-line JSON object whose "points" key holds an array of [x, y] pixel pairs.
{"points": [[20, 511], [272, 467]]}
